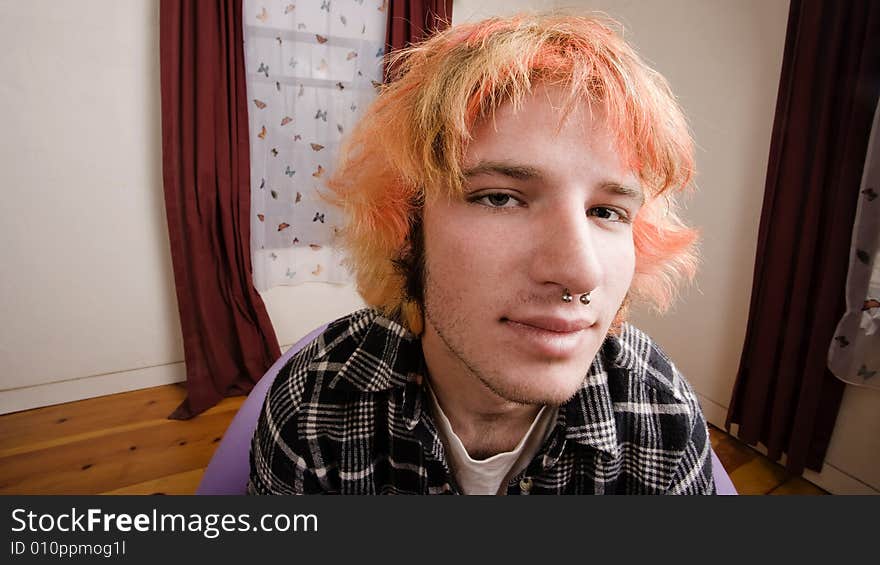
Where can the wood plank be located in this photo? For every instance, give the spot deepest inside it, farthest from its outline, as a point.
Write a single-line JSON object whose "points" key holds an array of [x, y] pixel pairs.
{"points": [[117, 460], [178, 483], [72, 418], [798, 486], [42, 436], [732, 453], [758, 476]]}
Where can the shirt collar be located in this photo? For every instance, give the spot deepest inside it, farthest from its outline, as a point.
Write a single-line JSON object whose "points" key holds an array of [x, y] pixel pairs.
{"points": [[388, 356], [385, 356]]}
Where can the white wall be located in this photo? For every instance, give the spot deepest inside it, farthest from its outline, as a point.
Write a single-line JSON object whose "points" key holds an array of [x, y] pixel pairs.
{"points": [[86, 290], [723, 60]]}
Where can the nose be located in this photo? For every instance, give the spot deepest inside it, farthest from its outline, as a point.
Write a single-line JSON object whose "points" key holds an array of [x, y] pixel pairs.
{"points": [[566, 250]]}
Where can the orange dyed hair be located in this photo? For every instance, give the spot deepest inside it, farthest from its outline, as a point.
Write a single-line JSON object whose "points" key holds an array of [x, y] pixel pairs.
{"points": [[409, 145]]}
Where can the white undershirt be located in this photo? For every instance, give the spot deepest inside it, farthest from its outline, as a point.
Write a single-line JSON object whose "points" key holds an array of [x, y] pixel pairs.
{"points": [[490, 476]]}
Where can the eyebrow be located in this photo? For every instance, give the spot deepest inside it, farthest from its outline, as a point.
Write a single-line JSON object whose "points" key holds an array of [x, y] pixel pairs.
{"points": [[526, 172], [518, 172]]}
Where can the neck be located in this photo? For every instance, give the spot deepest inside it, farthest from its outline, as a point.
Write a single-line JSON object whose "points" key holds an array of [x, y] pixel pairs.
{"points": [[485, 422]]}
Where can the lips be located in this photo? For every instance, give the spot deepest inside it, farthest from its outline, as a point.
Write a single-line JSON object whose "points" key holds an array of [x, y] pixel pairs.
{"points": [[551, 323], [547, 336]]}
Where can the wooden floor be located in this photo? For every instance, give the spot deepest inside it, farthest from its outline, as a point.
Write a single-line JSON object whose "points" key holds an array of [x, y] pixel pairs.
{"points": [[124, 444]]}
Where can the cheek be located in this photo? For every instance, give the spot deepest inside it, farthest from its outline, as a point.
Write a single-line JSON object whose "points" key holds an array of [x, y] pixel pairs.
{"points": [[620, 260], [472, 252]]}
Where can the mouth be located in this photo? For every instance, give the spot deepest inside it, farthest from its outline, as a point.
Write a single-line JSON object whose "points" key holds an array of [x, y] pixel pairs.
{"points": [[549, 336]]}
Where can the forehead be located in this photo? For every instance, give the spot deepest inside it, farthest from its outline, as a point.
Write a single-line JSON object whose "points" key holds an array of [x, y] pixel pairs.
{"points": [[538, 134]]}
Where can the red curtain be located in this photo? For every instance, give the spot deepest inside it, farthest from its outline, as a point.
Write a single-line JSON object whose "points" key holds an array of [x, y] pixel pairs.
{"points": [[410, 21], [785, 397], [227, 335]]}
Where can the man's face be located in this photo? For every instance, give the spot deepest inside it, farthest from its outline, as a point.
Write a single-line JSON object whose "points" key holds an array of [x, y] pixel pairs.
{"points": [[542, 212]]}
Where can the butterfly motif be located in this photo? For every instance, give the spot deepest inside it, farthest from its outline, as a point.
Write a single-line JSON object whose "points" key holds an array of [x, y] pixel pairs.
{"points": [[274, 194], [320, 38], [264, 68], [380, 52], [339, 127], [289, 172], [295, 240], [322, 66], [273, 256], [319, 217], [300, 26], [283, 226], [302, 90], [864, 372], [351, 55], [293, 63], [325, 5], [262, 134], [317, 270], [261, 217], [322, 114], [360, 74], [316, 146], [259, 104], [870, 303], [318, 173], [263, 16], [297, 137], [286, 120], [314, 246], [274, 151], [278, 39], [262, 183], [343, 20], [841, 340], [290, 274], [353, 107], [870, 194], [363, 29], [298, 198], [277, 86], [289, 8], [340, 86]]}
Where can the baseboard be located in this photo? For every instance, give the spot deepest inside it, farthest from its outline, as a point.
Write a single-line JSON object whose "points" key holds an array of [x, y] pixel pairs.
{"points": [[715, 413], [37, 396]]}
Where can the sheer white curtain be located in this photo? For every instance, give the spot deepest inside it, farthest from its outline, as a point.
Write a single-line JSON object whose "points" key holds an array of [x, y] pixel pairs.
{"points": [[312, 68], [854, 355]]}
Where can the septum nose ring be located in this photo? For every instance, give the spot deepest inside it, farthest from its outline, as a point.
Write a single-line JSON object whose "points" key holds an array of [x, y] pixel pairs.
{"points": [[567, 297]]}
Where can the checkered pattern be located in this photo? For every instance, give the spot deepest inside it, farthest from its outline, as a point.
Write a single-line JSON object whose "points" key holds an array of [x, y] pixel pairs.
{"points": [[349, 414]]}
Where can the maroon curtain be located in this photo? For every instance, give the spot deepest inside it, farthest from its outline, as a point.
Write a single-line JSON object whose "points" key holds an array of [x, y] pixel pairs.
{"points": [[785, 397], [410, 21], [227, 335]]}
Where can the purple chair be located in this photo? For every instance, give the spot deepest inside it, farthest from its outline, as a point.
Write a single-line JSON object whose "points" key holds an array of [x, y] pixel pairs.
{"points": [[229, 468]]}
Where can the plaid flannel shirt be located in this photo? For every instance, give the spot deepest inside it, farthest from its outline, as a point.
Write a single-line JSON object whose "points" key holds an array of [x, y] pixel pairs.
{"points": [[349, 414]]}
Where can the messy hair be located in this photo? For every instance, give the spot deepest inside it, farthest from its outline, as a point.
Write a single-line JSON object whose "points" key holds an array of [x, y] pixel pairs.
{"points": [[408, 147]]}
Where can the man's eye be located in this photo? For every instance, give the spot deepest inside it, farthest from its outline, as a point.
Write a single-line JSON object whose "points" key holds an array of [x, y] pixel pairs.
{"points": [[497, 200], [605, 213]]}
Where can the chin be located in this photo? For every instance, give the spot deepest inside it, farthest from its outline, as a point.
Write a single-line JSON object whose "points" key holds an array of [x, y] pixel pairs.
{"points": [[551, 389]]}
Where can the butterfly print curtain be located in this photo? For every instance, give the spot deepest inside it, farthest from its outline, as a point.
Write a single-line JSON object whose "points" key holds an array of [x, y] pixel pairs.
{"points": [[312, 68], [854, 355]]}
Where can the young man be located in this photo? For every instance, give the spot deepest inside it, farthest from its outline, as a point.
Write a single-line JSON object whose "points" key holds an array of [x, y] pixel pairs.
{"points": [[507, 196]]}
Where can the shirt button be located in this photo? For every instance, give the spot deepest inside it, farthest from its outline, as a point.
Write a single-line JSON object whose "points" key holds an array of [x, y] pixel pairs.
{"points": [[525, 485]]}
